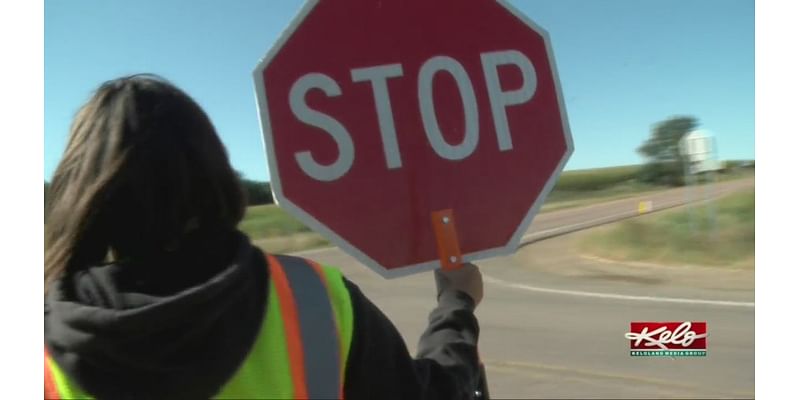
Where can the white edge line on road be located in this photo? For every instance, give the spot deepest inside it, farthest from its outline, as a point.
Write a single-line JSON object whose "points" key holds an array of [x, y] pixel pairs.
{"points": [[616, 296], [618, 216], [530, 235], [533, 234], [642, 264], [315, 251], [590, 223]]}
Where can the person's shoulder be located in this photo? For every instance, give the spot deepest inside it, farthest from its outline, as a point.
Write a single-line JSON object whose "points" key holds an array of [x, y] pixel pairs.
{"points": [[330, 273]]}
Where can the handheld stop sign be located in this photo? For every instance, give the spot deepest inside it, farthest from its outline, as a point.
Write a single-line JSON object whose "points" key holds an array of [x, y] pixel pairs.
{"points": [[413, 134]]}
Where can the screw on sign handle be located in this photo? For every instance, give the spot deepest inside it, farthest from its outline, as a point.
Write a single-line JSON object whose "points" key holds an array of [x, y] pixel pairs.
{"points": [[444, 228]]}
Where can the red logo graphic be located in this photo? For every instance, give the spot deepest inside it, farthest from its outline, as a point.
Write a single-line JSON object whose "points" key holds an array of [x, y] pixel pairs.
{"points": [[668, 339]]}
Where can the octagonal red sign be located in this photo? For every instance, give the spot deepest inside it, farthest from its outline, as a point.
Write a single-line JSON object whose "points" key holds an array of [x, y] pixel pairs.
{"points": [[375, 114]]}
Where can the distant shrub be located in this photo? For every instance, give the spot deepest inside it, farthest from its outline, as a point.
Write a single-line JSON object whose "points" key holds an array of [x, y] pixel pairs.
{"points": [[270, 221], [596, 179], [258, 193], [742, 164], [663, 173]]}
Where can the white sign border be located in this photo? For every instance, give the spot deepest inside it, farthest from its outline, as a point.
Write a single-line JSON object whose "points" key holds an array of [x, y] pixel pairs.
{"points": [[313, 223]]}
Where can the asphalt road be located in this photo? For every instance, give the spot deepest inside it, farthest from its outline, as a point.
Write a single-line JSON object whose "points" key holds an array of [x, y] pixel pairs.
{"points": [[553, 321]]}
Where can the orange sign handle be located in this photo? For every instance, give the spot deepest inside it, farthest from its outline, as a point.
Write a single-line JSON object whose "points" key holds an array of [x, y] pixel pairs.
{"points": [[444, 228]]}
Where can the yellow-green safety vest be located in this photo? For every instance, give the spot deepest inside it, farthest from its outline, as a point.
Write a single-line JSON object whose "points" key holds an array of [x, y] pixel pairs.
{"points": [[301, 350]]}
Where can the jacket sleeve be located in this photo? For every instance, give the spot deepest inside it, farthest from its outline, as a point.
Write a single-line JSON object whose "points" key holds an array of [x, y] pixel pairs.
{"points": [[380, 366]]}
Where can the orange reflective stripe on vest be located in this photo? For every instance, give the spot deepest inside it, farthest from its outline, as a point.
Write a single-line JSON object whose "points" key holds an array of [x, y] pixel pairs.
{"points": [[291, 326], [50, 387], [311, 331]]}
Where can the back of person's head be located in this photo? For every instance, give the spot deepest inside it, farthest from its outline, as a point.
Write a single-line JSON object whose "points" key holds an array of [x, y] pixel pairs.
{"points": [[143, 173]]}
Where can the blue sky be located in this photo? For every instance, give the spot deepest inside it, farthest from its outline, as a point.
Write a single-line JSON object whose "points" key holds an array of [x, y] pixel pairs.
{"points": [[624, 65]]}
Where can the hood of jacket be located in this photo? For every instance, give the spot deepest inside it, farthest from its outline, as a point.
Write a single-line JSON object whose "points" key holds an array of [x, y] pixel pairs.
{"points": [[174, 328]]}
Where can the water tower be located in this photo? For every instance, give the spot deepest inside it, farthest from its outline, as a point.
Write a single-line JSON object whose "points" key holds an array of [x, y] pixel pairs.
{"points": [[698, 148]]}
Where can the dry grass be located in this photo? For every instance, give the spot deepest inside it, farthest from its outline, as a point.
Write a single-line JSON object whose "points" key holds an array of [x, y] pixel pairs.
{"points": [[684, 236]]}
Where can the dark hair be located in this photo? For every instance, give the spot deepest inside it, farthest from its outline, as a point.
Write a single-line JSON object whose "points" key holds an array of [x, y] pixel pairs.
{"points": [[142, 173]]}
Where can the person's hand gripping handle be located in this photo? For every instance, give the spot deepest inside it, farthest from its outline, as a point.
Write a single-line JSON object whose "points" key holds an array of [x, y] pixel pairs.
{"points": [[466, 278]]}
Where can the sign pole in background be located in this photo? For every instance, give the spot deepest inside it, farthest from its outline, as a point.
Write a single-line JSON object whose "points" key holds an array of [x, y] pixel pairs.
{"points": [[687, 182], [714, 179], [699, 152]]}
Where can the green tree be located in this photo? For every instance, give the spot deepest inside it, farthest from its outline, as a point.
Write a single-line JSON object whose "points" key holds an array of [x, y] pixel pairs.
{"points": [[664, 161], [257, 192]]}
